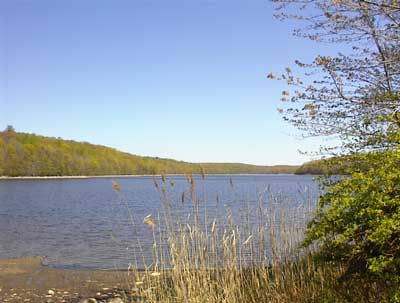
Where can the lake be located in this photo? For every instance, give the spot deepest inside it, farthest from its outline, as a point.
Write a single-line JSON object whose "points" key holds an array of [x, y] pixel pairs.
{"points": [[85, 223]]}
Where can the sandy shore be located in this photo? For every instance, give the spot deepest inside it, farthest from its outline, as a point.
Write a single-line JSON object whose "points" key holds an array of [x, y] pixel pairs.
{"points": [[27, 280]]}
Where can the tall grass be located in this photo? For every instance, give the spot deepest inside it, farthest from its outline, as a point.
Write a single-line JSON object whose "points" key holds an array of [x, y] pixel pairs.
{"points": [[248, 257]]}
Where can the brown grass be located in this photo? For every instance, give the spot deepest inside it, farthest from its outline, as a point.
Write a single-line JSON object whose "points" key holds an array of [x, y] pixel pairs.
{"points": [[211, 260]]}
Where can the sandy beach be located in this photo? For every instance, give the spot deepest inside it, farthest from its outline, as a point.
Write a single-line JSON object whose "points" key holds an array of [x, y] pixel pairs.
{"points": [[27, 280]]}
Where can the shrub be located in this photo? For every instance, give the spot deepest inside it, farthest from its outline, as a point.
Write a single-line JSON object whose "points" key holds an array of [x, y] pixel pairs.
{"points": [[357, 222]]}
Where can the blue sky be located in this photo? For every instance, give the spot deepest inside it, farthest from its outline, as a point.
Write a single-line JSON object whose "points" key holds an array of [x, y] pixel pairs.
{"points": [[182, 79]]}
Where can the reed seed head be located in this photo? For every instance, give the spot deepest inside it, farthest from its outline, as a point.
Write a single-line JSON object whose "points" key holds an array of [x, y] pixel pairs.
{"points": [[149, 221], [116, 186]]}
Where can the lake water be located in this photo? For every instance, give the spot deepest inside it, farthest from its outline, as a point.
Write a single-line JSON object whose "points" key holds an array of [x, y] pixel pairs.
{"points": [[85, 223]]}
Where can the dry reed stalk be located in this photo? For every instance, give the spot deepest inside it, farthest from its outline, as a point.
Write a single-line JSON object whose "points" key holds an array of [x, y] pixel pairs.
{"points": [[231, 263]]}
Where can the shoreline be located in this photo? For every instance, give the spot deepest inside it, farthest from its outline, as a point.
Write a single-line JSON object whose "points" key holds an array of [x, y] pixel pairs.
{"points": [[125, 176], [26, 279]]}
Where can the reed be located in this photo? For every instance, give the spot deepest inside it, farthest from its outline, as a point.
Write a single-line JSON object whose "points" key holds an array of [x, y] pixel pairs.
{"points": [[201, 258]]}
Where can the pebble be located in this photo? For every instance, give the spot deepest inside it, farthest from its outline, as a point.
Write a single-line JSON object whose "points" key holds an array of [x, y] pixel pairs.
{"points": [[59, 295]]}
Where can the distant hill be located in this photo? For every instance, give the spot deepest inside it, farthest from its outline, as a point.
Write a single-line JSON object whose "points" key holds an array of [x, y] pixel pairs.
{"points": [[239, 168], [333, 166], [23, 154], [316, 167]]}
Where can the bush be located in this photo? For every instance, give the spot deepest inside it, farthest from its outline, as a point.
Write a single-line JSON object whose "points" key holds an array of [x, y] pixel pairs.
{"points": [[357, 222]]}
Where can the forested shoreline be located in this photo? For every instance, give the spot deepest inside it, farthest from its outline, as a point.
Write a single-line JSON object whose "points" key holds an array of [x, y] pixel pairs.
{"points": [[23, 154]]}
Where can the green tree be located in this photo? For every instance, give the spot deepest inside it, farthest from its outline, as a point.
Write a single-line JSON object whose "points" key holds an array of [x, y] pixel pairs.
{"points": [[358, 220], [355, 96]]}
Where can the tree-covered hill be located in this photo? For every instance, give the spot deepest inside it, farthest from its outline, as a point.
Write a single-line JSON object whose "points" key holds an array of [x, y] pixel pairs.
{"points": [[23, 154], [239, 168], [334, 165], [311, 168]]}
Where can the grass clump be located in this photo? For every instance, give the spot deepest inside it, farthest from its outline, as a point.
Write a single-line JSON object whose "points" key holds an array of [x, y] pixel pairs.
{"points": [[253, 256]]}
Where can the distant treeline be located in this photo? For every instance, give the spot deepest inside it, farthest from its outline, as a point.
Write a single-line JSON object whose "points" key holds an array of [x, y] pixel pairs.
{"points": [[334, 165], [312, 168], [23, 154]]}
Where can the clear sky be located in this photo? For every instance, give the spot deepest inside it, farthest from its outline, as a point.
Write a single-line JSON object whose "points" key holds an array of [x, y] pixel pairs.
{"points": [[182, 79]]}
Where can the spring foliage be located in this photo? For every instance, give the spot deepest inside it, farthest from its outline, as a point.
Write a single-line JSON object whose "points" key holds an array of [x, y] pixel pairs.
{"points": [[353, 95], [358, 220], [24, 154]]}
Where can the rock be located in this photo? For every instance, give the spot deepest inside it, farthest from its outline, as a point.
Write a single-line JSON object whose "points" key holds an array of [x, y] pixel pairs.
{"points": [[115, 300], [50, 292], [89, 300]]}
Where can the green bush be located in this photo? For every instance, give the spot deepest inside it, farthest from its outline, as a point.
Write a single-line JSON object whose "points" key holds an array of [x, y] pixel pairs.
{"points": [[357, 222]]}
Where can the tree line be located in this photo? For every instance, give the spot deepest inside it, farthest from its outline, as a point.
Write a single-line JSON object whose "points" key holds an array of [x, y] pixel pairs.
{"points": [[23, 154]]}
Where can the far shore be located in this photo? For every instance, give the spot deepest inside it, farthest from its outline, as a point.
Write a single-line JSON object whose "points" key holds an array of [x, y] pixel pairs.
{"points": [[73, 177], [121, 176]]}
